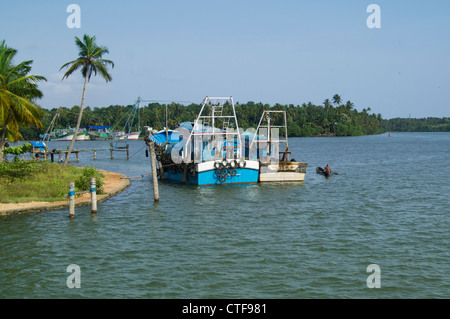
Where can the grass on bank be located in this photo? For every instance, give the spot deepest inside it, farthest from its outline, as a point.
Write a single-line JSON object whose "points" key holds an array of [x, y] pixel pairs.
{"points": [[29, 181]]}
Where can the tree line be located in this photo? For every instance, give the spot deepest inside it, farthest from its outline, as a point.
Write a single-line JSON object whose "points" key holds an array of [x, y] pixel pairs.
{"points": [[429, 124], [304, 120]]}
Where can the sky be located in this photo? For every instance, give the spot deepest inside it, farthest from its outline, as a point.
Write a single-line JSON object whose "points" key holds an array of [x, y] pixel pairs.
{"points": [[287, 52]]}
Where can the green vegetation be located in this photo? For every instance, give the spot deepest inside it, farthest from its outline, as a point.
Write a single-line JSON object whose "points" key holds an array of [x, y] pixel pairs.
{"points": [[18, 90], [17, 150], [84, 181], [303, 120], [89, 61], [429, 124], [27, 181]]}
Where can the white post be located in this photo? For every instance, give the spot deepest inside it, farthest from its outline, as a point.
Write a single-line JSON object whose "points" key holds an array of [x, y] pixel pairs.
{"points": [[93, 192], [71, 199], [151, 145]]}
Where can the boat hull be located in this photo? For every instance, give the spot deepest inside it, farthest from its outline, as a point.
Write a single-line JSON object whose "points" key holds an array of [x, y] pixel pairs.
{"points": [[69, 137], [64, 138], [283, 172], [206, 173], [100, 137], [131, 136]]}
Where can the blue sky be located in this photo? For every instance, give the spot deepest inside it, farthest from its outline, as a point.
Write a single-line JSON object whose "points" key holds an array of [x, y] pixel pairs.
{"points": [[288, 52]]}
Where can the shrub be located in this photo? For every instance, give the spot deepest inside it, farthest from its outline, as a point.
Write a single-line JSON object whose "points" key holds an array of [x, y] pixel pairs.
{"points": [[83, 183], [17, 169], [26, 181]]}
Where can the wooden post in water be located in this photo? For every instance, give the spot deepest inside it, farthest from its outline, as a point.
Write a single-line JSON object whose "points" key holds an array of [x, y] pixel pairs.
{"points": [[111, 150], [184, 173], [78, 159], [93, 192], [71, 200], [59, 158], [151, 145], [128, 151], [161, 170], [95, 155]]}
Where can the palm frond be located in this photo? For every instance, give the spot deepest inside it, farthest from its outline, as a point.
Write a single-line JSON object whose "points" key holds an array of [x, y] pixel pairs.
{"points": [[89, 59], [17, 90], [74, 65]]}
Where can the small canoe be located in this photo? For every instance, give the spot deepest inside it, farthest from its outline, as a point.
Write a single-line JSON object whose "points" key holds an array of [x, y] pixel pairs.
{"points": [[320, 170]]}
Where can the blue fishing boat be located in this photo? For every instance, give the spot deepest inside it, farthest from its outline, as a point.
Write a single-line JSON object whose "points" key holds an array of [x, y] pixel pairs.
{"points": [[208, 151]]}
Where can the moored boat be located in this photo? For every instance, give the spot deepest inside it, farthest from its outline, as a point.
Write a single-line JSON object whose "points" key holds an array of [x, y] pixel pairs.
{"points": [[68, 136], [100, 133], [130, 136], [276, 165], [207, 151], [65, 135]]}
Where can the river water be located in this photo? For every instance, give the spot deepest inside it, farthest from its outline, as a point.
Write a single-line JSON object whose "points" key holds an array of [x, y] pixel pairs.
{"points": [[387, 206]]}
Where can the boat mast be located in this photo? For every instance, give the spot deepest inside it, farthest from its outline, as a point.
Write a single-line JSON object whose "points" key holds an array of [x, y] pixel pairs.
{"points": [[129, 124], [217, 105], [269, 127], [47, 134]]}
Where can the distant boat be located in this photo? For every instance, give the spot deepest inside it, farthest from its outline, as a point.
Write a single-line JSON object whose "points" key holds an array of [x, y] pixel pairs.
{"points": [[100, 133], [83, 136], [131, 136], [62, 137], [65, 135]]}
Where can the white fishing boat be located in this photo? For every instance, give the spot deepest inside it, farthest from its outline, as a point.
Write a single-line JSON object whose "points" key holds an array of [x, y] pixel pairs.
{"points": [[275, 165], [65, 134], [68, 136], [130, 136]]}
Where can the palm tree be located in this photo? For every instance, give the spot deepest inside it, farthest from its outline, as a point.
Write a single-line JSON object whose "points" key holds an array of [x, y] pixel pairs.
{"points": [[337, 99], [18, 90], [349, 105], [90, 61]]}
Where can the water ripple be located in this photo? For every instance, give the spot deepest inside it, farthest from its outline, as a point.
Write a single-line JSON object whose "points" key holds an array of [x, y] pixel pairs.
{"points": [[303, 240]]}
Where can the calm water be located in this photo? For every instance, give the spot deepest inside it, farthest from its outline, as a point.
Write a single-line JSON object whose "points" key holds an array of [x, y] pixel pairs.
{"points": [[388, 206]]}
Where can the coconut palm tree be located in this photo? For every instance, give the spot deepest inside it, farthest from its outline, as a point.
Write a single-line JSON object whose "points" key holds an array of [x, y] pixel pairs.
{"points": [[349, 105], [18, 90], [90, 62], [337, 99]]}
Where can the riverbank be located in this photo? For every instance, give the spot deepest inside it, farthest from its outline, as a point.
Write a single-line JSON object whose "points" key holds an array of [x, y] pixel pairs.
{"points": [[113, 184]]}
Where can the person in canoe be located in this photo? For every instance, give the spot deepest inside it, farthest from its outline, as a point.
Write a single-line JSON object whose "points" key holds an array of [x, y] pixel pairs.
{"points": [[327, 170]]}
